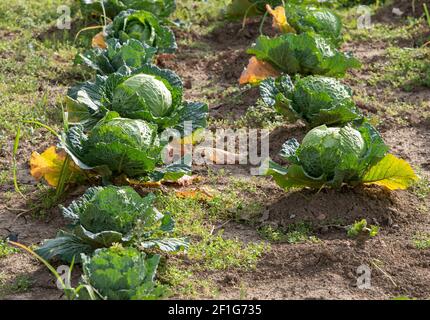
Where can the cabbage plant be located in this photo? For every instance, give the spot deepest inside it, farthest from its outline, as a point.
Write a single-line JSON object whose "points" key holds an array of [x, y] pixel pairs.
{"points": [[132, 54], [107, 215], [333, 156], [316, 99], [304, 18], [148, 93], [120, 146], [120, 273], [143, 26], [306, 53], [160, 8]]}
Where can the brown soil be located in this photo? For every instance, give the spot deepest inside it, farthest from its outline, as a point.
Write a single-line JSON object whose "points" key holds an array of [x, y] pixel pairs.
{"points": [[408, 8], [327, 269], [321, 270]]}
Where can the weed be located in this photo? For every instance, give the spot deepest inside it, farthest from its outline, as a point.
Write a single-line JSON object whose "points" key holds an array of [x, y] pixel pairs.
{"points": [[360, 228], [6, 249], [421, 187], [294, 233], [422, 241], [405, 68]]}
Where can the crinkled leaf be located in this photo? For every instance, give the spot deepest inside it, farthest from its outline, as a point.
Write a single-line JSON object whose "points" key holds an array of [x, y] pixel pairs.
{"points": [[122, 274], [192, 115], [289, 149], [132, 54], [305, 18], [305, 53]]}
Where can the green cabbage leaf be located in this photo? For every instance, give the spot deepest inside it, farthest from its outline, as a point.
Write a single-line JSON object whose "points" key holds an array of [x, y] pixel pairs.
{"points": [[132, 54], [305, 53], [321, 21], [119, 146]]}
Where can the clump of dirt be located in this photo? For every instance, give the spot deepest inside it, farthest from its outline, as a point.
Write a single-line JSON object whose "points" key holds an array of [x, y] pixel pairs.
{"points": [[346, 206]]}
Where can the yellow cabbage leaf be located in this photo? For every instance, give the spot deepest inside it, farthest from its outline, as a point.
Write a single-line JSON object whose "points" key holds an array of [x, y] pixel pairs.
{"points": [[48, 165], [392, 173], [98, 41], [280, 19], [257, 71]]}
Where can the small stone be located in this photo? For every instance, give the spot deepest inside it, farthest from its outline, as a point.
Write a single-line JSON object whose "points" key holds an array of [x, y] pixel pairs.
{"points": [[321, 216], [397, 12]]}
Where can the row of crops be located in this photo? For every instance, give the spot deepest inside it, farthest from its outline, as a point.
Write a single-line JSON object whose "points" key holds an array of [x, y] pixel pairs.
{"points": [[119, 128], [296, 72], [115, 134]]}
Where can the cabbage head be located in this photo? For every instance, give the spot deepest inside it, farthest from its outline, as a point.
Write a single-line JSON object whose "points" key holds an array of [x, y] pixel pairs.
{"points": [[323, 21], [120, 273], [115, 146], [329, 156], [148, 93], [323, 148], [316, 99], [153, 91], [143, 26]]}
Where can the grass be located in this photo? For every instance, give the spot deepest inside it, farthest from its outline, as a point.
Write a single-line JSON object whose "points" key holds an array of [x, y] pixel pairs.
{"points": [[409, 31], [422, 241], [295, 233], [405, 68], [6, 249], [20, 284], [421, 187], [209, 249], [199, 13], [36, 65]]}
